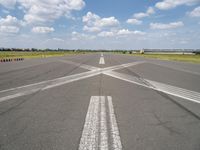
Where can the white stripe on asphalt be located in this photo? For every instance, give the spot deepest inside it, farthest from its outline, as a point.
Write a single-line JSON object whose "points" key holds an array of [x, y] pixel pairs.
{"points": [[103, 127], [84, 66], [89, 139], [44, 85], [101, 61], [96, 132], [117, 145], [72, 78], [176, 91], [2, 99], [122, 66], [10, 97], [26, 90], [125, 77], [168, 89]]}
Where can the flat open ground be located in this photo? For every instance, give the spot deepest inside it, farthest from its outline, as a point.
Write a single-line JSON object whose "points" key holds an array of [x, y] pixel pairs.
{"points": [[99, 101], [38, 54], [175, 57]]}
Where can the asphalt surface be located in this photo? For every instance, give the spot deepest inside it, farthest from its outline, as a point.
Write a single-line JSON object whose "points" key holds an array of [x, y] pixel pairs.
{"points": [[66, 103]]}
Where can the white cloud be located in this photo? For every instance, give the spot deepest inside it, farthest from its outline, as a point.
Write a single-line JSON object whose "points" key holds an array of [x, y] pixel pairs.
{"points": [[58, 39], [96, 23], [171, 25], [106, 34], [150, 11], [10, 24], [169, 4], [195, 12], [81, 36], [107, 22], [8, 3], [91, 29], [9, 29], [119, 33], [124, 32], [127, 32], [138, 32], [90, 18], [41, 11], [42, 29], [10, 20], [134, 21], [140, 15], [54, 40]]}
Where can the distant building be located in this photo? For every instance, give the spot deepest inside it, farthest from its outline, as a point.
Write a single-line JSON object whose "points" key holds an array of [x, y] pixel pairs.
{"points": [[142, 51]]}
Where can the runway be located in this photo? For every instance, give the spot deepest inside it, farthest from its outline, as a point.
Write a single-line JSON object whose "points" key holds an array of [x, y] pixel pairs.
{"points": [[99, 101]]}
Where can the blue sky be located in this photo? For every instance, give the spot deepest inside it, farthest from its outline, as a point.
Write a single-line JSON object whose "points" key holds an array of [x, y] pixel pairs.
{"points": [[104, 24]]}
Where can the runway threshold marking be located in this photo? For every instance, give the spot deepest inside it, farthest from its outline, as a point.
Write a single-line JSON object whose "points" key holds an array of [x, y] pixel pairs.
{"points": [[100, 130]]}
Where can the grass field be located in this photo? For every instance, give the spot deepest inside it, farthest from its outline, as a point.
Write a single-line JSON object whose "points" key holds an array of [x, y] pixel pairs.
{"points": [[40, 54], [174, 57]]}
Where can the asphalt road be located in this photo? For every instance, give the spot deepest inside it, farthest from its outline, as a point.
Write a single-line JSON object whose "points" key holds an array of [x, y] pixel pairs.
{"points": [[99, 102]]}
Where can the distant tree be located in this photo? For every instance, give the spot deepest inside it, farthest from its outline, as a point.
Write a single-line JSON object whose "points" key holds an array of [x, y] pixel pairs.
{"points": [[33, 49]]}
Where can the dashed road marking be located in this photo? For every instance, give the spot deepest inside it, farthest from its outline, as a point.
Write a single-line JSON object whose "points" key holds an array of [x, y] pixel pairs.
{"points": [[96, 134], [102, 61]]}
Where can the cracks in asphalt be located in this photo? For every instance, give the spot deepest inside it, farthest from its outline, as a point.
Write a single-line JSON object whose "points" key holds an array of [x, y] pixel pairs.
{"points": [[17, 104], [77, 67], [137, 75], [165, 125], [100, 84], [15, 136], [178, 104], [163, 94], [23, 101], [22, 73], [24, 70]]}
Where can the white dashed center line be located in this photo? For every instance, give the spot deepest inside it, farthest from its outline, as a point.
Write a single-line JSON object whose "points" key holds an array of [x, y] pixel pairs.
{"points": [[102, 61], [100, 129]]}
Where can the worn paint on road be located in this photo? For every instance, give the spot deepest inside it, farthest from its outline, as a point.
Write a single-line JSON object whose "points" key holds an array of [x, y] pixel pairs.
{"points": [[97, 134]]}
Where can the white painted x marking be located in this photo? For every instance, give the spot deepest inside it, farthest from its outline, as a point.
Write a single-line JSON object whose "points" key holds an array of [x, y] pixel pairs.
{"points": [[93, 71]]}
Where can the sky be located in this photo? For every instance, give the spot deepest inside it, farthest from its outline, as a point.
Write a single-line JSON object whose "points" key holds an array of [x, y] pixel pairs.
{"points": [[100, 24]]}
